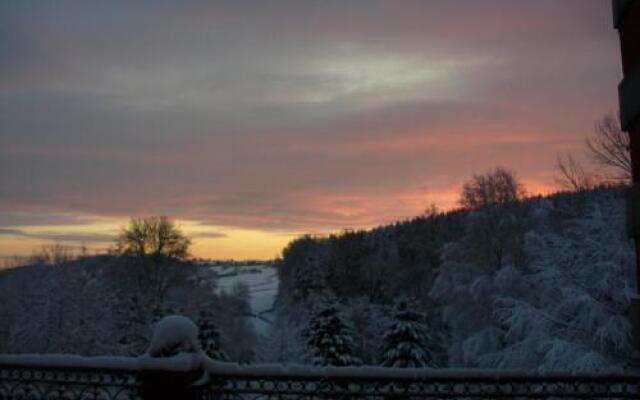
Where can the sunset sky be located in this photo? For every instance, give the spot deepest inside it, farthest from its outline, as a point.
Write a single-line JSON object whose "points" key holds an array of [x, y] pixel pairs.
{"points": [[251, 122]]}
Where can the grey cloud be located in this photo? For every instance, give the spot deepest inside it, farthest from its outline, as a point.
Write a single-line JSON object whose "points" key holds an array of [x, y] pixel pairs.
{"points": [[214, 111], [42, 218], [207, 235], [11, 232], [56, 236]]}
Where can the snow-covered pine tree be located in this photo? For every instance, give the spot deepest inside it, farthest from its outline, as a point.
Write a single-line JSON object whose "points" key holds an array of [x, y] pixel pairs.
{"points": [[209, 337], [329, 340], [574, 317], [406, 341]]}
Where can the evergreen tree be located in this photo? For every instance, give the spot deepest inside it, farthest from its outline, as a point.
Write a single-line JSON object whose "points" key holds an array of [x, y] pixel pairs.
{"points": [[330, 340], [209, 337], [406, 342]]}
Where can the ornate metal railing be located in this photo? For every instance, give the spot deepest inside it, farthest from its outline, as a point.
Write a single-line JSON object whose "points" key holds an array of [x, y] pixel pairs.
{"points": [[463, 387], [136, 378], [383, 383], [41, 382]]}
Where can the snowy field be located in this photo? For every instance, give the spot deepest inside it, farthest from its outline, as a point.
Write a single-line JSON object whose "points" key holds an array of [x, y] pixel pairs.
{"points": [[263, 286]]}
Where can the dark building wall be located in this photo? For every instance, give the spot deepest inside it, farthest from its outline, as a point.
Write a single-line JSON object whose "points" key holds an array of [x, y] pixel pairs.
{"points": [[627, 21], [626, 17]]}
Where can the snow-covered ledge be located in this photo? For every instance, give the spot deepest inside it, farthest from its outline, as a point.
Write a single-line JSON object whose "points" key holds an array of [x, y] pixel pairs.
{"points": [[175, 351], [185, 362], [174, 347], [182, 362]]}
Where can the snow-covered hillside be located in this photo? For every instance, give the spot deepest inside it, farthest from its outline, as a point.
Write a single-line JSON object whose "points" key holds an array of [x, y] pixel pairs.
{"points": [[103, 305], [542, 284], [262, 281]]}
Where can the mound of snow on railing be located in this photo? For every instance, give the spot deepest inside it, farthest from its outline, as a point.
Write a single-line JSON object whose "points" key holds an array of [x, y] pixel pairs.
{"points": [[174, 334]]}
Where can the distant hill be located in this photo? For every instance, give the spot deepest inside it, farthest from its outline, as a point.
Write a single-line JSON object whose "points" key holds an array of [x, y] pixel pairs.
{"points": [[542, 284]]}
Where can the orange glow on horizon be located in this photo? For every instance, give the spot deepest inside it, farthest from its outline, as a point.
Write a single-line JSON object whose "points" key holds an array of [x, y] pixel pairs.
{"points": [[224, 242]]}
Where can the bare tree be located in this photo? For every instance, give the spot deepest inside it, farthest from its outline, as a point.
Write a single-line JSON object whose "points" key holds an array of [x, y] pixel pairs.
{"points": [[14, 261], [494, 187], [155, 248], [609, 146], [573, 176], [52, 254], [153, 236]]}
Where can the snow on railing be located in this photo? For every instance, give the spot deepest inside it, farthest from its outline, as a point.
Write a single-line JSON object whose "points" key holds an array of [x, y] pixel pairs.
{"points": [[175, 367], [303, 382], [182, 362], [192, 376]]}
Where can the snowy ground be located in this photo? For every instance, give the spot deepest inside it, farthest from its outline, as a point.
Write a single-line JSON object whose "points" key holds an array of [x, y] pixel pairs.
{"points": [[263, 286]]}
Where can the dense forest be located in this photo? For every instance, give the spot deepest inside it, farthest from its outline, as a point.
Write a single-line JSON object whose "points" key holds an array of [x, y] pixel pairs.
{"points": [[107, 305], [538, 284]]}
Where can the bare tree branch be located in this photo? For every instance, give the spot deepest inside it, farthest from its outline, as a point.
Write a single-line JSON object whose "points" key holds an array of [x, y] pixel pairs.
{"points": [[609, 146], [572, 175]]}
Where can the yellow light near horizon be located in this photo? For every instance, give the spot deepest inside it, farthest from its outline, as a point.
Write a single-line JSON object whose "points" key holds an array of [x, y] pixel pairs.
{"points": [[241, 244], [18, 246], [234, 243], [32, 237]]}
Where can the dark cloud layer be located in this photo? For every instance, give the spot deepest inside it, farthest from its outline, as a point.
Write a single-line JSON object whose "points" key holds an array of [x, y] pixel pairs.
{"points": [[289, 115], [59, 237]]}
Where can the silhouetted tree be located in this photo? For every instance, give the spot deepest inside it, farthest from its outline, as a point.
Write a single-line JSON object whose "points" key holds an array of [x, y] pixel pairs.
{"points": [[153, 237], [610, 147], [494, 187], [155, 249], [54, 254], [573, 176]]}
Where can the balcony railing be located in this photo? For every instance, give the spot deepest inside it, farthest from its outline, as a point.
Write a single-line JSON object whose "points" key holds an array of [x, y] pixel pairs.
{"points": [[190, 376]]}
